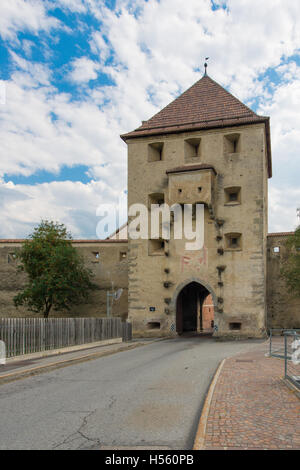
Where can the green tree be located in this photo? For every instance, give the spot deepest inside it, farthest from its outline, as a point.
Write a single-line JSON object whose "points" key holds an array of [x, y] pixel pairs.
{"points": [[291, 263], [56, 275]]}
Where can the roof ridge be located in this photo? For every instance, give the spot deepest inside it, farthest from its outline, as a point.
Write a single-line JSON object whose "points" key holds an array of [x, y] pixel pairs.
{"points": [[195, 122]]}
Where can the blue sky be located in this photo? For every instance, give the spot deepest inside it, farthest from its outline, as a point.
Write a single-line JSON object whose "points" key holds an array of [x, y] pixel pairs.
{"points": [[78, 73]]}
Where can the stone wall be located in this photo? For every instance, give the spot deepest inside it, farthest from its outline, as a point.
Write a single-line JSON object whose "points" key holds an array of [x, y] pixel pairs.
{"points": [[108, 261], [283, 308], [208, 314]]}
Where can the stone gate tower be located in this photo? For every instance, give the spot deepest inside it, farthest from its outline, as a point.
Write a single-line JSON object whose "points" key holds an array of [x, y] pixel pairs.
{"points": [[204, 147]]}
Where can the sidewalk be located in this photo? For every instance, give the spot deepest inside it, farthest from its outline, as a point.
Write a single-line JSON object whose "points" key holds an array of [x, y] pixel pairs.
{"points": [[16, 369], [251, 407]]}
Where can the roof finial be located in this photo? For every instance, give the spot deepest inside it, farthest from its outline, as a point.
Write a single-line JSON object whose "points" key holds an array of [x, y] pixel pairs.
{"points": [[205, 66]]}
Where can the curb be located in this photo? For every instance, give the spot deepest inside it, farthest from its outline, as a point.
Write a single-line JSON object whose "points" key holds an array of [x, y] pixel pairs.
{"points": [[199, 442], [16, 375], [61, 351], [291, 386]]}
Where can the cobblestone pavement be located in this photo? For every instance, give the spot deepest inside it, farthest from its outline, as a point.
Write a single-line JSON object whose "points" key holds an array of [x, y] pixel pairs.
{"points": [[252, 408]]}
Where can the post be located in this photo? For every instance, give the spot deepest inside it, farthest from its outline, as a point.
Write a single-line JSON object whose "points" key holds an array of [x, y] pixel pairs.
{"points": [[285, 356], [107, 304], [270, 351], [201, 314], [2, 353]]}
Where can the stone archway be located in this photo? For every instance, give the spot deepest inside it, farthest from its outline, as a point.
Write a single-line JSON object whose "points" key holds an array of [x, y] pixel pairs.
{"points": [[188, 303]]}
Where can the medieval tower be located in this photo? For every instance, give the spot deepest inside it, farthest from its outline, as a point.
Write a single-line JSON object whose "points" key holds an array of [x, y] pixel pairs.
{"points": [[205, 147]]}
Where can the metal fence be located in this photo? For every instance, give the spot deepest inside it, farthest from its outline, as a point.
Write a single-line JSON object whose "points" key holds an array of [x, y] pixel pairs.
{"points": [[292, 357], [29, 335], [276, 344]]}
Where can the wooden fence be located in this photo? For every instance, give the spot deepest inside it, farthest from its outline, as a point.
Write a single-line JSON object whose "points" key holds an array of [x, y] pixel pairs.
{"points": [[126, 331], [29, 335]]}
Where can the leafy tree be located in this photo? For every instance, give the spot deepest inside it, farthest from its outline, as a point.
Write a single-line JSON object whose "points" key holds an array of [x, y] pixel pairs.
{"points": [[57, 276], [291, 263]]}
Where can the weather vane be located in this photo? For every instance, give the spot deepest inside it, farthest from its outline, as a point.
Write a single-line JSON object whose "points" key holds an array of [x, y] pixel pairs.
{"points": [[205, 65]]}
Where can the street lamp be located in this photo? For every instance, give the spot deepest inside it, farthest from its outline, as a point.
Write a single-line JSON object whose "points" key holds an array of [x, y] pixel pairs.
{"points": [[114, 296]]}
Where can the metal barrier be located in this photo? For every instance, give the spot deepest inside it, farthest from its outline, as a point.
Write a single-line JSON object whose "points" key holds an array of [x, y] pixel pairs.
{"points": [[276, 344], [292, 357]]}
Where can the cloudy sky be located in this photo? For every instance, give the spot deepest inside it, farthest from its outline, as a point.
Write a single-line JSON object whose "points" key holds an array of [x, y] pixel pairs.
{"points": [[75, 74]]}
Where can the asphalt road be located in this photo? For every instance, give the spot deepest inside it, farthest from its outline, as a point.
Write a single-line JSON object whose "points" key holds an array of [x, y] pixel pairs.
{"points": [[150, 397]]}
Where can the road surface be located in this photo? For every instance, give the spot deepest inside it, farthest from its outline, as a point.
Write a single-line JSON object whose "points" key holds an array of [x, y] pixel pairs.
{"points": [[147, 397]]}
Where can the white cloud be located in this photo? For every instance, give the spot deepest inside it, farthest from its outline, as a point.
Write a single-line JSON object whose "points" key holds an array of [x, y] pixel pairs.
{"points": [[99, 46], [27, 47], [84, 70], [283, 107], [43, 129], [22, 207], [284, 204], [156, 54], [77, 6], [29, 74], [21, 15]]}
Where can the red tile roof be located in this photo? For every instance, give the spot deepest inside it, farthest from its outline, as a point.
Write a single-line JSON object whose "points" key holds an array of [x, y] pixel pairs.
{"points": [[206, 105], [280, 234]]}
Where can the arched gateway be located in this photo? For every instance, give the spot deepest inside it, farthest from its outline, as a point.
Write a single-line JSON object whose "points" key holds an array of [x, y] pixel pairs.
{"points": [[194, 307]]}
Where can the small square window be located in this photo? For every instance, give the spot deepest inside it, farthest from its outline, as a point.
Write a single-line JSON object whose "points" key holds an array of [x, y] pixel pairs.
{"points": [[233, 241], [153, 325], [233, 195], [156, 198], [155, 152], [96, 256], [156, 247], [11, 258], [192, 149], [232, 143], [235, 326], [123, 255], [276, 249]]}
